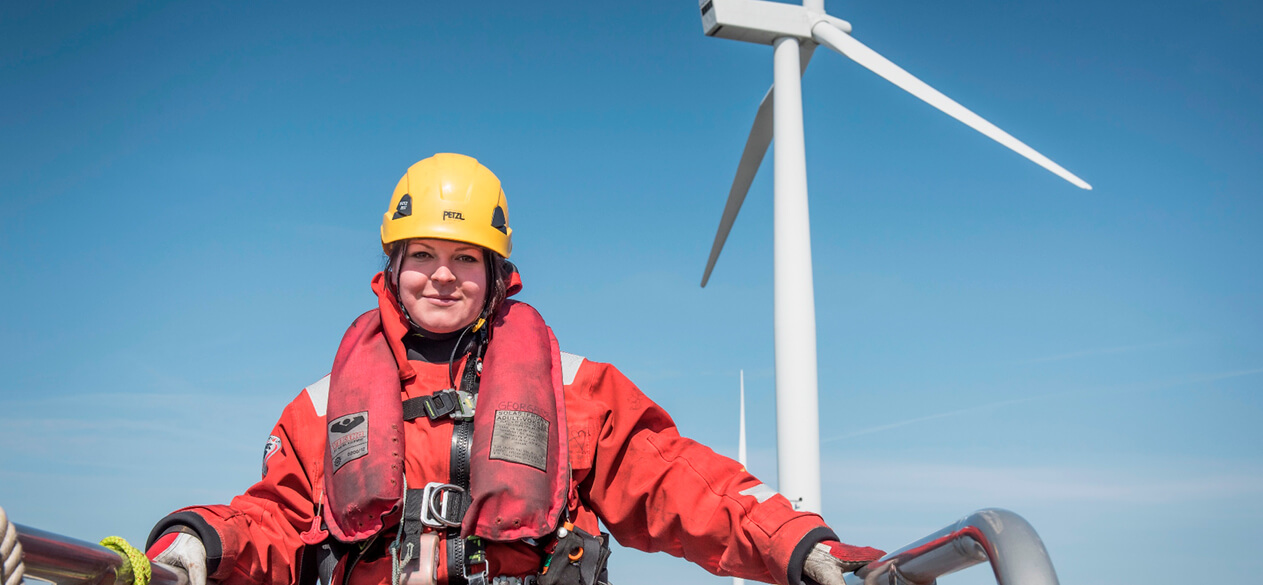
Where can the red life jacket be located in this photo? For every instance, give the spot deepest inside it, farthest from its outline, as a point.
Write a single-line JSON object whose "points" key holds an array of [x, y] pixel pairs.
{"points": [[517, 491]]}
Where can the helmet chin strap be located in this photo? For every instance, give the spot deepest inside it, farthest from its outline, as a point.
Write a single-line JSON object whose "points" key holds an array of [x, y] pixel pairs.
{"points": [[475, 352], [479, 346]]}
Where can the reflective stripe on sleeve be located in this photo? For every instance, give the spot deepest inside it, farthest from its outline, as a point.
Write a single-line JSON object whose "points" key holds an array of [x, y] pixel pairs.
{"points": [[570, 367], [318, 392], [760, 492]]}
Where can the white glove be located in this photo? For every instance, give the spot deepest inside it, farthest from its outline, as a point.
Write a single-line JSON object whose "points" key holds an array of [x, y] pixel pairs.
{"points": [[185, 551], [828, 561], [11, 566]]}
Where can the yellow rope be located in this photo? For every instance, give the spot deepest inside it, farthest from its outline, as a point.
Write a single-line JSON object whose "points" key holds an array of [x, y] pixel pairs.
{"points": [[136, 569]]}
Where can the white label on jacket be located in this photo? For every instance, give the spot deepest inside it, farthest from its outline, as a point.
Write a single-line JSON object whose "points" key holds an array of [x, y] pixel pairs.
{"points": [[521, 437], [273, 445], [348, 438]]}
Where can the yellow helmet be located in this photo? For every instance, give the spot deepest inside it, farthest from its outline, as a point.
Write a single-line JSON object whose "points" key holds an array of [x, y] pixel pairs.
{"points": [[449, 197]]}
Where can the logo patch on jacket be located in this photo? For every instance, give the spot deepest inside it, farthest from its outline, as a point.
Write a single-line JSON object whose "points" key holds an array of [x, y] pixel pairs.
{"points": [[348, 438], [521, 437], [271, 448]]}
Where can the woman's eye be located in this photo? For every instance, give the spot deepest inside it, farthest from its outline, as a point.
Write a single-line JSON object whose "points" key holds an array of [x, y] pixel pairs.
{"points": [[420, 255], [466, 258]]}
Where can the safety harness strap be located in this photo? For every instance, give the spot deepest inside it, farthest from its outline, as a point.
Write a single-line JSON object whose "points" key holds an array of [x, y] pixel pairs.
{"points": [[460, 557], [433, 407], [444, 403], [462, 438], [414, 507]]}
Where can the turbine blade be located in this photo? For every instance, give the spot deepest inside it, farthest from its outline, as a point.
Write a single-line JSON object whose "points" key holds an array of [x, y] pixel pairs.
{"points": [[845, 44], [756, 147]]}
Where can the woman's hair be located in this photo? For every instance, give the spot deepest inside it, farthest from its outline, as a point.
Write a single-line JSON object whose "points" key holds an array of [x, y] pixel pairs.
{"points": [[498, 273]]}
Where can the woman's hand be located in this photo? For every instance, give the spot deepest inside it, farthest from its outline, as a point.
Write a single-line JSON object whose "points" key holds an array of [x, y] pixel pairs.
{"points": [[182, 550], [829, 560]]}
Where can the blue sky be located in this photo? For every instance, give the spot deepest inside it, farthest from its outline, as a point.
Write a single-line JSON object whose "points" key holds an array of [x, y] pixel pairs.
{"points": [[189, 198]]}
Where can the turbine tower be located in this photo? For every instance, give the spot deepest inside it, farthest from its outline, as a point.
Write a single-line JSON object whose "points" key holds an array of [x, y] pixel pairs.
{"points": [[794, 32]]}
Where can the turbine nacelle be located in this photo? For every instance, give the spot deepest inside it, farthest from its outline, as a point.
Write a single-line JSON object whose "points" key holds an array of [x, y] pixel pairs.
{"points": [[762, 22]]}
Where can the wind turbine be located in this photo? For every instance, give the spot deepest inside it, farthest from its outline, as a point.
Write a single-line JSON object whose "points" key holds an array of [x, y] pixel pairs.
{"points": [[794, 31]]}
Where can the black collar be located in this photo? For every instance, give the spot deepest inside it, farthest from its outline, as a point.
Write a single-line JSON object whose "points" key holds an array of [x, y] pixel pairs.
{"points": [[437, 348]]}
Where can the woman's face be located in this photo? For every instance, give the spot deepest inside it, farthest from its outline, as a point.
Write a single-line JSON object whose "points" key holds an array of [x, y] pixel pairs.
{"points": [[442, 283]]}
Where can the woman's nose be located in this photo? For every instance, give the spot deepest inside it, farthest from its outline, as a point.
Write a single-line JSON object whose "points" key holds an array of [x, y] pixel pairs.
{"points": [[443, 274]]}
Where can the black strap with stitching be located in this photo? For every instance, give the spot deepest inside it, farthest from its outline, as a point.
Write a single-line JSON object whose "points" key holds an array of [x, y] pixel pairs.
{"points": [[462, 440], [434, 406], [462, 444]]}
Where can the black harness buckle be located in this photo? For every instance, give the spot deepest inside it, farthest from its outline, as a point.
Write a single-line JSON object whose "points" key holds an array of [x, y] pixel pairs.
{"points": [[440, 404], [457, 404]]}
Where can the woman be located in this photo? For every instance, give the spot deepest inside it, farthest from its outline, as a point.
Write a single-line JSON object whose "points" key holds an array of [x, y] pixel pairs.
{"points": [[381, 472]]}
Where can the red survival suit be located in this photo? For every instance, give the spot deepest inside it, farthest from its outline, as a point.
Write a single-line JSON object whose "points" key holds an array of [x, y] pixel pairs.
{"points": [[629, 467]]}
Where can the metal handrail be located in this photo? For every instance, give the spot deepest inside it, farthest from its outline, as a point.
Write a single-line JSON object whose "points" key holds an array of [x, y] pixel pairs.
{"points": [[66, 561], [1016, 553]]}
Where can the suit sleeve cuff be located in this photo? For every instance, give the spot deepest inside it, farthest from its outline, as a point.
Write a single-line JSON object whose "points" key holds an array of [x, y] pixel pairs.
{"points": [[193, 523], [794, 572]]}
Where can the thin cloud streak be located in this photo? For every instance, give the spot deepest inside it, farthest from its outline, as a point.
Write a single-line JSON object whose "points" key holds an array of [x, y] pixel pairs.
{"points": [[1221, 376], [903, 423], [1101, 351], [990, 405], [927, 482]]}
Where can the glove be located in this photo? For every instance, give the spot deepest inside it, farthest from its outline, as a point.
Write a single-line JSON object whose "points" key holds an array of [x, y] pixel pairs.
{"points": [[828, 560], [183, 550], [11, 566]]}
